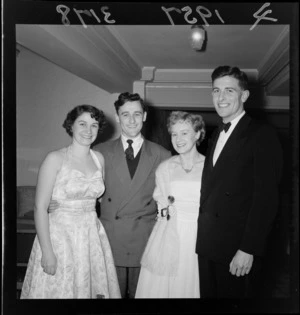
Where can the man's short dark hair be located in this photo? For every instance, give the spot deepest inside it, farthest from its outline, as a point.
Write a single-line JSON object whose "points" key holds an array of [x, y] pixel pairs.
{"points": [[235, 72], [128, 97]]}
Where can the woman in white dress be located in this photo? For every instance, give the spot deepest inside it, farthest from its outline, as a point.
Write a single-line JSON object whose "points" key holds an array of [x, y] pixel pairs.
{"points": [[71, 257], [169, 266]]}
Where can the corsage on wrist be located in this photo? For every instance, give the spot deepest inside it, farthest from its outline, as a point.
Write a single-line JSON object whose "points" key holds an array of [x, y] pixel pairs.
{"points": [[165, 212]]}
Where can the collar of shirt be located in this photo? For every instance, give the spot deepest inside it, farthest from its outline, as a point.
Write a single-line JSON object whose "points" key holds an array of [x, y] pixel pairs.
{"points": [[136, 145], [233, 124], [223, 137]]}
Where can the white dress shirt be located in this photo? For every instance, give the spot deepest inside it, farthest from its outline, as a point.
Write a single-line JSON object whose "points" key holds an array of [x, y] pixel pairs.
{"points": [[223, 137], [136, 145]]}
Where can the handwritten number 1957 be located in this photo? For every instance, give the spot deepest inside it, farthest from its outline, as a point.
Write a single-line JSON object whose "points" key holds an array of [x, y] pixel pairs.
{"points": [[64, 11], [204, 14], [202, 11]]}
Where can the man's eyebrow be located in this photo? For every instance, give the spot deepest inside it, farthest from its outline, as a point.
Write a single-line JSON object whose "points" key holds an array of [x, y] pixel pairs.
{"points": [[226, 88]]}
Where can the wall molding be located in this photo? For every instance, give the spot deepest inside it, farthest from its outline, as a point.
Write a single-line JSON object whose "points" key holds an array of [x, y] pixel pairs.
{"points": [[274, 68], [191, 88]]}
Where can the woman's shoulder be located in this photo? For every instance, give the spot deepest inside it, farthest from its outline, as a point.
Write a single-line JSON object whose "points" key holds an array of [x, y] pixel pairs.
{"points": [[57, 154], [55, 158]]}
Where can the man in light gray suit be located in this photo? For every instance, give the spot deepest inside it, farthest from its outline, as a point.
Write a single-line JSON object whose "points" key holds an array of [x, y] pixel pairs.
{"points": [[128, 210]]}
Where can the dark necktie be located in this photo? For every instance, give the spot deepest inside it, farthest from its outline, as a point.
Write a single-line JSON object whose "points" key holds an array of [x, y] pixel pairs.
{"points": [[129, 150], [225, 127]]}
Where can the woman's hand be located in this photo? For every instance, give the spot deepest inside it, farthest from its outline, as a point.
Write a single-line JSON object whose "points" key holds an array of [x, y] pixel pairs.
{"points": [[49, 263]]}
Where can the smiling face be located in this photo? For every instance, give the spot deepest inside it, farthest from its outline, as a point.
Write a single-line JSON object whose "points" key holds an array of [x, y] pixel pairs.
{"points": [[228, 97], [183, 136], [131, 117], [85, 129]]}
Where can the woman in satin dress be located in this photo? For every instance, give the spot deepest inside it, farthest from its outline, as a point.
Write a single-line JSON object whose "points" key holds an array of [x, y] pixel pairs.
{"points": [[71, 257]]}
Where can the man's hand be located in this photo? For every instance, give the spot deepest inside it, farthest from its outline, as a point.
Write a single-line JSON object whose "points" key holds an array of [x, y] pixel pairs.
{"points": [[241, 263], [54, 204]]}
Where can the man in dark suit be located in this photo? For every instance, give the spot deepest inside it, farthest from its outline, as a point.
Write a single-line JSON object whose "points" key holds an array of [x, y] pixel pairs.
{"points": [[128, 210], [239, 194]]}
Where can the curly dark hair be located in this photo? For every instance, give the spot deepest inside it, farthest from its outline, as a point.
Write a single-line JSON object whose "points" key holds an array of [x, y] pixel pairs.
{"points": [[235, 72], [128, 97], [195, 120], [72, 115]]}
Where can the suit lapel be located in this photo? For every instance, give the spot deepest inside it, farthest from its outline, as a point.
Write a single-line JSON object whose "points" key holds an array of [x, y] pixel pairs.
{"points": [[208, 165], [118, 160], [143, 170], [234, 143], [231, 150], [212, 150]]}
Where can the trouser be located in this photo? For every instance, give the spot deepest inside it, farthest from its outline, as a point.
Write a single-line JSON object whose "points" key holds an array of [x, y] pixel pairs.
{"points": [[128, 279], [217, 282]]}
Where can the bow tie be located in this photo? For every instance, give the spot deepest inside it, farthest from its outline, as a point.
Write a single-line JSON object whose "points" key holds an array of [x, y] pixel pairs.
{"points": [[225, 127], [129, 150]]}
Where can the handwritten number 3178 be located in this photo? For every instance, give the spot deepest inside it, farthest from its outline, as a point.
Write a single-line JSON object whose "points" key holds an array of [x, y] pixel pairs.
{"points": [[64, 11]]}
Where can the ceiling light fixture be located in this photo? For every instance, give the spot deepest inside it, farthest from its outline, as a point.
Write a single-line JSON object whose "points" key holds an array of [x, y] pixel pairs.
{"points": [[197, 37]]}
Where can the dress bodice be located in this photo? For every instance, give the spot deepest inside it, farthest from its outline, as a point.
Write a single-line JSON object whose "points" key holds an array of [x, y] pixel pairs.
{"points": [[72, 186], [185, 188]]}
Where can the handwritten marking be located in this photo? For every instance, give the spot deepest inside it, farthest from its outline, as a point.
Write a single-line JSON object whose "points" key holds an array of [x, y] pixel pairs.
{"points": [[64, 18], [79, 12], [64, 11], [218, 15], [262, 17], [167, 10], [95, 16], [189, 11], [204, 16], [202, 11], [107, 15]]}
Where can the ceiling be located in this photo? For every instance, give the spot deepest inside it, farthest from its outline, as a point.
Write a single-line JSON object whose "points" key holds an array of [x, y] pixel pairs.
{"points": [[113, 57]]}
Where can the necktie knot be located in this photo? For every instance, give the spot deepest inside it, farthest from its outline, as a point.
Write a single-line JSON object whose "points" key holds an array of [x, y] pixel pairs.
{"points": [[129, 150], [225, 127]]}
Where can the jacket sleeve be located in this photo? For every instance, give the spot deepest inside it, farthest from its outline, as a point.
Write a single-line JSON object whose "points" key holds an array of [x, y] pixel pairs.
{"points": [[267, 165], [162, 181], [166, 155]]}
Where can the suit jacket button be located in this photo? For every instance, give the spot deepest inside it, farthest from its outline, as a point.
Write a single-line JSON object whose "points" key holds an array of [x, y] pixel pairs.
{"points": [[217, 215], [117, 217], [227, 193], [109, 199]]}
